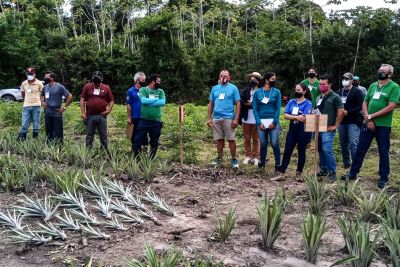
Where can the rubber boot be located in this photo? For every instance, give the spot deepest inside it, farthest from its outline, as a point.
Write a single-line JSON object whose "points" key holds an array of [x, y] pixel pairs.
{"points": [[21, 136]]}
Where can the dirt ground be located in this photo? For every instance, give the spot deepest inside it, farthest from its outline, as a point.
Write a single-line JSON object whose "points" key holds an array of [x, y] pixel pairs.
{"points": [[193, 192]]}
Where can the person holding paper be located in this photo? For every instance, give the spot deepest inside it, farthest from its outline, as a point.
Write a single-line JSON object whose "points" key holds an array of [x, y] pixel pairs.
{"points": [[30, 90], [378, 107], [96, 103], [295, 112], [133, 105], [222, 116], [349, 129], [330, 103], [153, 100], [267, 107], [52, 98], [250, 135]]}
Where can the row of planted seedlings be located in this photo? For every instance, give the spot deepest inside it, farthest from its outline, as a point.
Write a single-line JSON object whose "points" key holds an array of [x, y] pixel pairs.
{"points": [[375, 223], [119, 206], [115, 160]]}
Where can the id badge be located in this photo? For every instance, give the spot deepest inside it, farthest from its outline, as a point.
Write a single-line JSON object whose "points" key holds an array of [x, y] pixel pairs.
{"points": [[344, 99], [265, 100], [47, 95], [377, 95], [152, 96], [310, 87], [96, 92], [295, 111], [319, 102], [221, 96], [29, 90]]}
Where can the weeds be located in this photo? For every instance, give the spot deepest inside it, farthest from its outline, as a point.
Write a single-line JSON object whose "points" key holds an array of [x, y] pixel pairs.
{"points": [[270, 216], [312, 230]]}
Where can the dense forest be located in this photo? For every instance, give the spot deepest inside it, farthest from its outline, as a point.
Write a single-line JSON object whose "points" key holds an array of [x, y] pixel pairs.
{"points": [[189, 42]]}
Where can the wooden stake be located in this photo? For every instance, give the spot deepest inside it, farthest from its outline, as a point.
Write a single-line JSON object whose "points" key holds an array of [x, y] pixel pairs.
{"points": [[316, 136], [181, 111]]}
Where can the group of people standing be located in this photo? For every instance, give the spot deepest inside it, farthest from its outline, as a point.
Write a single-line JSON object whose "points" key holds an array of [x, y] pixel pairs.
{"points": [[359, 115], [145, 101]]}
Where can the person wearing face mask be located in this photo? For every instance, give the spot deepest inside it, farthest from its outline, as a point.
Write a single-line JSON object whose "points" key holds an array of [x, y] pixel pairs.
{"points": [[312, 83], [152, 98], [31, 90], [378, 107], [356, 83], [222, 116], [250, 135], [295, 112], [349, 129], [328, 102], [52, 98], [267, 104], [133, 105], [96, 103]]}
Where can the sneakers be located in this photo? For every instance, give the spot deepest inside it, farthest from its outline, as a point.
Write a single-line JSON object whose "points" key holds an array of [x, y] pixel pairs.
{"points": [[331, 176], [247, 160], [299, 177], [279, 176], [216, 161], [256, 161], [235, 164], [347, 176]]}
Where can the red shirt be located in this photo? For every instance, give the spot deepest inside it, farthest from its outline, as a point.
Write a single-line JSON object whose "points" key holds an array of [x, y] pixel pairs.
{"points": [[96, 101]]}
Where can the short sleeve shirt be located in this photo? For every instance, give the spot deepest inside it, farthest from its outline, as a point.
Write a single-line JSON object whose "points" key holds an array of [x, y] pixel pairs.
{"points": [[303, 108], [390, 92], [329, 104], [53, 96], [97, 99], [133, 100], [224, 98], [32, 93], [314, 89]]}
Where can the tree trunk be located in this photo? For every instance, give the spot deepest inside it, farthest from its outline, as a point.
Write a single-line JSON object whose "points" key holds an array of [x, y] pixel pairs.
{"points": [[311, 40], [358, 47]]}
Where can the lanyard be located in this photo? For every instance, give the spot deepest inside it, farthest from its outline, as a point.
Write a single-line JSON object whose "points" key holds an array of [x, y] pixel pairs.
{"points": [[270, 91], [347, 92]]}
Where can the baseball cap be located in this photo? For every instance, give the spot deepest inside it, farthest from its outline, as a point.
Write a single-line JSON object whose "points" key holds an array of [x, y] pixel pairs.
{"points": [[98, 74], [348, 75], [357, 78], [31, 70]]}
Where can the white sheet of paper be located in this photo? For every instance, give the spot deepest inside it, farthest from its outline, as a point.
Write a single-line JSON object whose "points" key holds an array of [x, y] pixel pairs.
{"points": [[47, 95], [266, 122], [319, 102], [377, 95], [96, 91], [295, 111]]}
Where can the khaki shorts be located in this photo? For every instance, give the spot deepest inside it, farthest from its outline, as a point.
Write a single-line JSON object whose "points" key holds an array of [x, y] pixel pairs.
{"points": [[223, 129]]}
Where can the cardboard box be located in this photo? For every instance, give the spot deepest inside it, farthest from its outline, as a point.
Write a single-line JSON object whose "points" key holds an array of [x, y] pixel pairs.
{"points": [[309, 125]]}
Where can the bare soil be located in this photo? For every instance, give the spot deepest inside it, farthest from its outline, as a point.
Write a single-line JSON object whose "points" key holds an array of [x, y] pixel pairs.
{"points": [[193, 192]]}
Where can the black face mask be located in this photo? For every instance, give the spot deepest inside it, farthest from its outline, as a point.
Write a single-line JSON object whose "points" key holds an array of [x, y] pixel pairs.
{"points": [[383, 76], [142, 84], [252, 83], [156, 85], [311, 75], [271, 83], [46, 80], [96, 80], [298, 94]]}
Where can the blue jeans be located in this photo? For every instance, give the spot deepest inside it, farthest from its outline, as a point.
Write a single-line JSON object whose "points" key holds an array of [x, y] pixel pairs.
{"points": [[274, 137], [30, 114], [382, 137], [327, 161], [348, 135], [151, 128], [295, 136], [54, 128]]}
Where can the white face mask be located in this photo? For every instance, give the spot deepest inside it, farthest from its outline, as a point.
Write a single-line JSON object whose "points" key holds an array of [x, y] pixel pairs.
{"points": [[30, 77], [345, 83]]}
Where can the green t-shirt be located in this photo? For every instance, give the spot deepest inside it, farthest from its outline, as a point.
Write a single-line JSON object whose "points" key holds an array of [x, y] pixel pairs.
{"points": [[390, 92], [314, 89], [152, 102], [329, 105]]}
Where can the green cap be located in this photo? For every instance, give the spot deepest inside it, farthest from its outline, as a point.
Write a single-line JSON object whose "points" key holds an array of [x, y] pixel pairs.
{"points": [[356, 78]]}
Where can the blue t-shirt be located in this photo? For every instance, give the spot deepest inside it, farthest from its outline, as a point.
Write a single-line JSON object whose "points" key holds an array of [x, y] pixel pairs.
{"points": [[269, 110], [53, 96], [224, 98], [304, 107], [133, 100]]}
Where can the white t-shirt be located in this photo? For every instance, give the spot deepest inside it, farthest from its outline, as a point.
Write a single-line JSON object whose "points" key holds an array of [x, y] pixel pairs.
{"points": [[250, 113]]}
